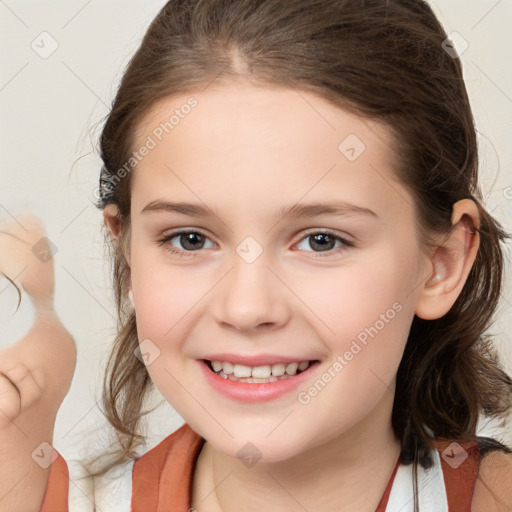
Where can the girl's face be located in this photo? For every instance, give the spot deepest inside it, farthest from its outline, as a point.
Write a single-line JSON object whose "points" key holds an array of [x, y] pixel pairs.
{"points": [[249, 280]]}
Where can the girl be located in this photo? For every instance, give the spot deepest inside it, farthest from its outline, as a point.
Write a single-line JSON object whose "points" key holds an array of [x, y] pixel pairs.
{"points": [[324, 340]]}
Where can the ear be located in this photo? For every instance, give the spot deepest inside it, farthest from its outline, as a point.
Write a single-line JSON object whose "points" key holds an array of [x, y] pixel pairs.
{"points": [[451, 263], [113, 223]]}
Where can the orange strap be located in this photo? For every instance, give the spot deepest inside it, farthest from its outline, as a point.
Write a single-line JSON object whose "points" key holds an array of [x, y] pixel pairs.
{"points": [[162, 477], [460, 478], [56, 495]]}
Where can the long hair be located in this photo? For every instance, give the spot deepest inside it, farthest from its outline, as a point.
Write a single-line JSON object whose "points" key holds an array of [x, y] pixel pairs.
{"points": [[380, 59]]}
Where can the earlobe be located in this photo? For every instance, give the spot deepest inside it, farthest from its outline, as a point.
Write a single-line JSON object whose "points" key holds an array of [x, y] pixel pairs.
{"points": [[451, 262]]}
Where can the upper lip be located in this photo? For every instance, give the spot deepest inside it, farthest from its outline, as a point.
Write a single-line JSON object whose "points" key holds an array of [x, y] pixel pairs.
{"points": [[255, 360]]}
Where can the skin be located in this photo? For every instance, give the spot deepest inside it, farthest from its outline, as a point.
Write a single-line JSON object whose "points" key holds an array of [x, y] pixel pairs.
{"points": [[247, 151]]}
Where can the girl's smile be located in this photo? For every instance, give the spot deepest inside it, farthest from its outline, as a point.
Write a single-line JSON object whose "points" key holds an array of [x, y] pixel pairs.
{"points": [[240, 383]]}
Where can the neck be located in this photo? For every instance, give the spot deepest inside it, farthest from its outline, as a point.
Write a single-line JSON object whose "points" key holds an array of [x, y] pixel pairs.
{"points": [[332, 477]]}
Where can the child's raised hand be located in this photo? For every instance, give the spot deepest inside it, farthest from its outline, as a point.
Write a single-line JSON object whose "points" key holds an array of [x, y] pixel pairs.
{"points": [[43, 361], [35, 372]]}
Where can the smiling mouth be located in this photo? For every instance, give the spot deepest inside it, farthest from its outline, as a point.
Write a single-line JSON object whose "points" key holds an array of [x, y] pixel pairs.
{"points": [[259, 374]]}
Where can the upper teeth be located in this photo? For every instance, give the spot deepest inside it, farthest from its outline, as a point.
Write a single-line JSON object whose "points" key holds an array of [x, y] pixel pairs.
{"points": [[259, 372]]}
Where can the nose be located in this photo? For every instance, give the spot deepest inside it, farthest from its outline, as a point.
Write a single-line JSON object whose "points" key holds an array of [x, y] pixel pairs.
{"points": [[251, 297]]}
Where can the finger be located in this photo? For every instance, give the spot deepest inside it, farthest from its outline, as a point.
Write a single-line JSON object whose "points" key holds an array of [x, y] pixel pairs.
{"points": [[10, 401], [22, 379]]}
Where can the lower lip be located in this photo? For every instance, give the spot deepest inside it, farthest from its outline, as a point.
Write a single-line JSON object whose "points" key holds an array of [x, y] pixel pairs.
{"points": [[252, 392]]}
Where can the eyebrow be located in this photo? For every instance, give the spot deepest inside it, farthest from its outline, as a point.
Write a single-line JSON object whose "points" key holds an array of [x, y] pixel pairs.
{"points": [[296, 211]]}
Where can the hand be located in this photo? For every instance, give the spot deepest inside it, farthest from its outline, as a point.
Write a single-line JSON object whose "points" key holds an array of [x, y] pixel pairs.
{"points": [[35, 372]]}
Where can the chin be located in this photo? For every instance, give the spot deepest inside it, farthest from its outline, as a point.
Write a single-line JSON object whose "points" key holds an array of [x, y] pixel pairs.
{"points": [[255, 444], [254, 451]]}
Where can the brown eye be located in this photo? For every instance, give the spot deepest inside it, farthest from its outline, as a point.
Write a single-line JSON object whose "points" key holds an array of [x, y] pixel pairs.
{"points": [[192, 240], [321, 241], [324, 242], [188, 242]]}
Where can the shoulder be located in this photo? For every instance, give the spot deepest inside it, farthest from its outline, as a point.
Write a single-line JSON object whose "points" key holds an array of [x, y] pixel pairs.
{"points": [[493, 486]]}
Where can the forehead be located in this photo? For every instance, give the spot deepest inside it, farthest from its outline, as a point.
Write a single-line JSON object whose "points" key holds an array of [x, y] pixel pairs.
{"points": [[249, 141]]}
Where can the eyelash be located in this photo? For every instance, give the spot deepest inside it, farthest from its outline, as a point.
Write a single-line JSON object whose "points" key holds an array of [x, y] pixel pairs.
{"points": [[190, 254]]}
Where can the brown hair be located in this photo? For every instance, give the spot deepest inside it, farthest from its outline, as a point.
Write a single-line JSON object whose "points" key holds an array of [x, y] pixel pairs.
{"points": [[380, 59]]}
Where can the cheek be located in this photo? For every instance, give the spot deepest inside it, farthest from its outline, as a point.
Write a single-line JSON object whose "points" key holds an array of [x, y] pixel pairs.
{"points": [[365, 323], [163, 297], [164, 293], [363, 314], [352, 298]]}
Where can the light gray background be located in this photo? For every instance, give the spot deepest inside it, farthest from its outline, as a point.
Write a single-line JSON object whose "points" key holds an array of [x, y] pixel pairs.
{"points": [[51, 110]]}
